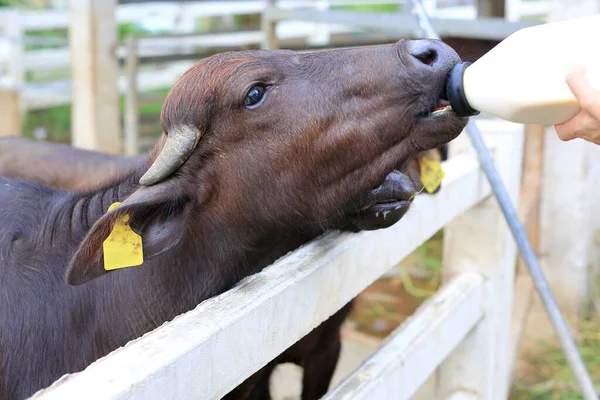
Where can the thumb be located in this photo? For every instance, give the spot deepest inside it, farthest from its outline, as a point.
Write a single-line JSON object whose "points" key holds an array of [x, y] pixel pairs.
{"points": [[568, 130]]}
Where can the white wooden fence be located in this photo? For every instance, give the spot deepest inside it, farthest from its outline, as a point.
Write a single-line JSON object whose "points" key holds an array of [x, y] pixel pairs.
{"points": [[16, 63], [461, 334]]}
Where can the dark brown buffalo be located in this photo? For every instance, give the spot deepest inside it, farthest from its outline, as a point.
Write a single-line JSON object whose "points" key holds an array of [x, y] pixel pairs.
{"points": [[59, 165], [261, 152], [66, 167]]}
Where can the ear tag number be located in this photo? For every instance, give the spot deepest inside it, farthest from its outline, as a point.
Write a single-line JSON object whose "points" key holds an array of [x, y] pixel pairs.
{"points": [[431, 173], [123, 247]]}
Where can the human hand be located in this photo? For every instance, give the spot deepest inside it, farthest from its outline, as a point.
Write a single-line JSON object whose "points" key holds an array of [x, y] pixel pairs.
{"points": [[586, 124]]}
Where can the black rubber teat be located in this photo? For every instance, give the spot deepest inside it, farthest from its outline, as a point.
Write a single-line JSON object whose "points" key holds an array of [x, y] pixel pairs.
{"points": [[456, 91]]}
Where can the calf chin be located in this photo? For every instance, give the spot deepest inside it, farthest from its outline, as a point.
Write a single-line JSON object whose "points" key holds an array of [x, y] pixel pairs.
{"points": [[385, 205]]}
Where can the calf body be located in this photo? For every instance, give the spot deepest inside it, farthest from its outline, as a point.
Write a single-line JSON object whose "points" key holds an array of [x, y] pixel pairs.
{"points": [[261, 151], [59, 165], [318, 352]]}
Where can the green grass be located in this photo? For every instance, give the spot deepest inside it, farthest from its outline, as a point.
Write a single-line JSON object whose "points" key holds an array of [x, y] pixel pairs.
{"points": [[553, 379], [382, 8], [57, 122]]}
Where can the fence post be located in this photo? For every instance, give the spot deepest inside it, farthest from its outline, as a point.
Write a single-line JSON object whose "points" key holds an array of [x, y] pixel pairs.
{"points": [[10, 112], [95, 108], [480, 241], [132, 117], [490, 8], [268, 27]]}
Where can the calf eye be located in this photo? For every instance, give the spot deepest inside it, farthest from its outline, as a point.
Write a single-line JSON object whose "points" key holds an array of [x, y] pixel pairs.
{"points": [[255, 96]]}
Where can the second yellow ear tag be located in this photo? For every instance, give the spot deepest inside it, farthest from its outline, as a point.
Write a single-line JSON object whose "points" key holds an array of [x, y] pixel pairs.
{"points": [[123, 247], [431, 173]]}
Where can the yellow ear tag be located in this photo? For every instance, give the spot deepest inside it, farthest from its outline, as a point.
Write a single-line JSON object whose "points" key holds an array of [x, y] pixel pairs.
{"points": [[123, 247], [431, 173]]}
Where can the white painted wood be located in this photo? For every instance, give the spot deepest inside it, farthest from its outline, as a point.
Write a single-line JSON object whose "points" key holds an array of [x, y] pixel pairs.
{"points": [[95, 112], [413, 351], [13, 29], [513, 10], [132, 116], [209, 350], [517, 9], [479, 241], [462, 396]]}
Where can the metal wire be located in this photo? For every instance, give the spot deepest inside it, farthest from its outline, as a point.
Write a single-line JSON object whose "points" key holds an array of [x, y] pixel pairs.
{"points": [[533, 266]]}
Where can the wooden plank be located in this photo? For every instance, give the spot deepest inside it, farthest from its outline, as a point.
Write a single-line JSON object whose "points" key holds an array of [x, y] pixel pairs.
{"points": [[10, 113], [490, 8], [95, 112], [134, 13], [209, 350], [531, 185], [132, 116], [268, 27], [404, 24], [479, 241], [460, 395], [165, 45], [413, 350]]}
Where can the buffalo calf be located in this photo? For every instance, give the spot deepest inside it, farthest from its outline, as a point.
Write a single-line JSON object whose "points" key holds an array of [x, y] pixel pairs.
{"points": [[261, 151]]}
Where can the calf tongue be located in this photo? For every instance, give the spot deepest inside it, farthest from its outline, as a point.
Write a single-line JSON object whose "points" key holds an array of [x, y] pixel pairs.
{"points": [[442, 104]]}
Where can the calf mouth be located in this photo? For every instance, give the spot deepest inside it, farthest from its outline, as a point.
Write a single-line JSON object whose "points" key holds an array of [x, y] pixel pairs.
{"points": [[438, 108], [386, 207]]}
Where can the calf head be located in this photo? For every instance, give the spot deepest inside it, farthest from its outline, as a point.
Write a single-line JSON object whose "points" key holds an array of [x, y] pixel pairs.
{"points": [[262, 142]]}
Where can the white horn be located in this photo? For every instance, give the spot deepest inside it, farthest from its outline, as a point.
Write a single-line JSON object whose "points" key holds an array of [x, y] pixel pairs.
{"points": [[180, 143]]}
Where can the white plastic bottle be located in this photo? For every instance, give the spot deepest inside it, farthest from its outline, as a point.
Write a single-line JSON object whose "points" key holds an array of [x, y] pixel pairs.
{"points": [[522, 79]]}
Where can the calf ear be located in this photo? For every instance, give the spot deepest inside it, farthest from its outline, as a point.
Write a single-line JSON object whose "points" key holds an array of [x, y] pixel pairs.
{"points": [[155, 213]]}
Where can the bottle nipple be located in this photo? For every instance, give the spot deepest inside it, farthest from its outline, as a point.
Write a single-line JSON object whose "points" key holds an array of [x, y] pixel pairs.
{"points": [[455, 91]]}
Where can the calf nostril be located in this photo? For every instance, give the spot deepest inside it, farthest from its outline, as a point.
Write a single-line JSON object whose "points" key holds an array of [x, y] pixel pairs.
{"points": [[427, 56]]}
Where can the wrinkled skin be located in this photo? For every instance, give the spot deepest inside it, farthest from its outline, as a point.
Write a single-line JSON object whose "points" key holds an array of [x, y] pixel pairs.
{"points": [[65, 167], [261, 181]]}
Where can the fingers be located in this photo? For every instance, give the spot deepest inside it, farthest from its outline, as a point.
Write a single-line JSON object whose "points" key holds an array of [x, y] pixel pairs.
{"points": [[586, 124], [583, 125], [588, 97], [567, 131]]}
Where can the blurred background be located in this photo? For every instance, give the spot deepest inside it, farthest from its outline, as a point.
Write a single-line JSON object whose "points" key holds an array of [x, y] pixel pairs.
{"points": [[95, 73]]}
